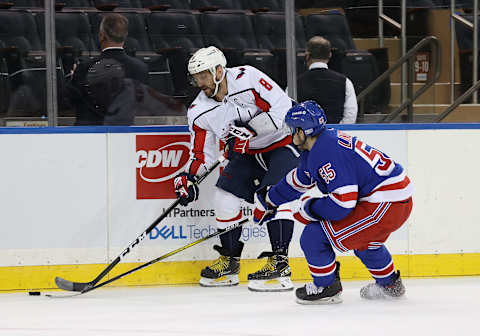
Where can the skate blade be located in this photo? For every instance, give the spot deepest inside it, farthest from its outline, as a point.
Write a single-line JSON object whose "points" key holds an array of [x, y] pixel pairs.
{"points": [[376, 293], [283, 284], [330, 300], [225, 281], [383, 297]]}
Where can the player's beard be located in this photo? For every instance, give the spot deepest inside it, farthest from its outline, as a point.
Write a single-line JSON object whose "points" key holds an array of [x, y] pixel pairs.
{"points": [[208, 90]]}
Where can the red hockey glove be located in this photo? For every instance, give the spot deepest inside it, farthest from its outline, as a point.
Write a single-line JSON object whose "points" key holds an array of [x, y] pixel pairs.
{"points": [[186, 188], [264, 209]]}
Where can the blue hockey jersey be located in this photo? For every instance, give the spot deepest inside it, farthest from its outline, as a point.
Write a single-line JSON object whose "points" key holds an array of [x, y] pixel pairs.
{"points": [[346, 170]]}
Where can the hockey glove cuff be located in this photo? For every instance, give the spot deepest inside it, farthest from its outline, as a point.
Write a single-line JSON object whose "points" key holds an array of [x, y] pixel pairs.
{"points": [[299, 211], [264, 210], [186, 188]]}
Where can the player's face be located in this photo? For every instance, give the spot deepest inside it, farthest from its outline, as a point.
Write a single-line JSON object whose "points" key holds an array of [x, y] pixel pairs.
{"points": [[205, 82], [299, 139]]}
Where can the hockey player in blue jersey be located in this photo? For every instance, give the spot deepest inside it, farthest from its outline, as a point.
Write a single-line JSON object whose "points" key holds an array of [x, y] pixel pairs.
{"points": [[349, 195]]}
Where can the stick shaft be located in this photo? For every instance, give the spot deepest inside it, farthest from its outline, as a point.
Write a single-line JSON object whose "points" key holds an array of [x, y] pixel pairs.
{"points": [[76, 286], [169, 254]]}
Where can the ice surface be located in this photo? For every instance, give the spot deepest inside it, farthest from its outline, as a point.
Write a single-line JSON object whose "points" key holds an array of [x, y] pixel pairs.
{"points": [[442, 306]]}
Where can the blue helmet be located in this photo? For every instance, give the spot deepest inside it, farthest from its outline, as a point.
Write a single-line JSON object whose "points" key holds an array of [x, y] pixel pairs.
{"points": [[308, 116]]}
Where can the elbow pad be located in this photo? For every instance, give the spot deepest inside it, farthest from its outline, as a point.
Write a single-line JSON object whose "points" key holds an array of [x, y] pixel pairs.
{"points": [[263, 124]]}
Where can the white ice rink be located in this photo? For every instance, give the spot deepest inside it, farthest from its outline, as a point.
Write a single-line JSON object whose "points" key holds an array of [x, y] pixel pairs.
{"points": [[446, 306]]}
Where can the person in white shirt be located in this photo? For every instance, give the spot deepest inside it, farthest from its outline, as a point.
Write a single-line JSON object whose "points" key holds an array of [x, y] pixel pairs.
{"points": [[246, 109], [333, 91]]}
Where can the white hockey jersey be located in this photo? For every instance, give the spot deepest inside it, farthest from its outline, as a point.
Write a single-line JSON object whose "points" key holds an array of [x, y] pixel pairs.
{"points": [[250, 92]]}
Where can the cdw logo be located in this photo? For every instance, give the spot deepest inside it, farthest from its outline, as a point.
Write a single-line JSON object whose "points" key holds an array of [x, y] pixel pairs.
{"points": [[153, 158], [158, 159]]}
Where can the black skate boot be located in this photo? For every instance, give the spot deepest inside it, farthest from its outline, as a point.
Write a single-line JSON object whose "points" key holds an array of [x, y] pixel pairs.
{"points": [[375, 291], [273, 277], [223, 272], [313, 295]]}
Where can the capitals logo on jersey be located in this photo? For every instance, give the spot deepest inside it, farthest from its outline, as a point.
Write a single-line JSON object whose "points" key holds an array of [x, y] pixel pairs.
{"points": [[242, 72]]}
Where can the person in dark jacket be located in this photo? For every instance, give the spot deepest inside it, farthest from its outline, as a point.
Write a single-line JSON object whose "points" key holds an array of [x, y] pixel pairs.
{"points": [[331, 90], [112, 34]]}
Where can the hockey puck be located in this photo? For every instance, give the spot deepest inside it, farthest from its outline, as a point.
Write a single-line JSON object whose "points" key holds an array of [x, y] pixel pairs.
{"points": [[34, 293]]}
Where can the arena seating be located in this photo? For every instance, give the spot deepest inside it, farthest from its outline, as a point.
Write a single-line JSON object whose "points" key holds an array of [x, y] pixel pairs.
{"points": [[270, 33], [176, 35], [72, 30], [215, 4], [264, 5], [270, 30], [19, 4], [106, 4], [174, 29], [24, 57], [164, 33], [4, 83], [73, 40], [333, 26], [76, 3], [166, 4], [166, 38]]}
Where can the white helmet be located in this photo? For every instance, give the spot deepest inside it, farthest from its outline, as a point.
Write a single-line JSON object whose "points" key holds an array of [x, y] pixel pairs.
{"points": [[208, 59]]}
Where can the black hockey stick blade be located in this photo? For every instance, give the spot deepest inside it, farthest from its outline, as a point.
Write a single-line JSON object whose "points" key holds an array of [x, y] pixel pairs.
{"points": [[72, 286]]}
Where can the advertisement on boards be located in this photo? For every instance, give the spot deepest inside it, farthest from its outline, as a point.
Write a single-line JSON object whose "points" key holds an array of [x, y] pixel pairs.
{"points": [[159, 158]]}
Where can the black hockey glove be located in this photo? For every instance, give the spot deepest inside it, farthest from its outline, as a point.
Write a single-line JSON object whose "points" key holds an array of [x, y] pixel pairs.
{"points": [[238, 140], [186, 188]]}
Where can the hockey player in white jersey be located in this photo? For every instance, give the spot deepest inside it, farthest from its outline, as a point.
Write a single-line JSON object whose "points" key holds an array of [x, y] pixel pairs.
{"points": [[245, 108]]}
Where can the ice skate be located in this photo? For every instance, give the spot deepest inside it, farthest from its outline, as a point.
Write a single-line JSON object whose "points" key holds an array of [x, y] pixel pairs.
{"points": [[310, 294], [223, 272], [273, 277], [375, 291]]}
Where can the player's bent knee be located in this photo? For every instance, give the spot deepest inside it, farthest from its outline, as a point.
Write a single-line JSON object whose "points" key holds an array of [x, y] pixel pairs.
{"points": [[313, 236], [227, 208]]}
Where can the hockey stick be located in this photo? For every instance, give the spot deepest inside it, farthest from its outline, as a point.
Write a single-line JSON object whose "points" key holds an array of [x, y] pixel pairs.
{"points": [[151, 262], [83, 286]]}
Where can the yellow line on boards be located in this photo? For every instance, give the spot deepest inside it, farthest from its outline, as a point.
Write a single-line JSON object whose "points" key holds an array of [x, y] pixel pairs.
{"points": [[18, 278]]}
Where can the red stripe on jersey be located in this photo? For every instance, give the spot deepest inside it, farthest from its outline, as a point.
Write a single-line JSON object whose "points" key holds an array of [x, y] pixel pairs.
{"points": [[282, 143], [324, 270], [199, 137], [260, 102], [237, 217], [351, 196], [394, 186], [300, 218], [399, 185], [331, 235], [294, 180], [384, 272]]}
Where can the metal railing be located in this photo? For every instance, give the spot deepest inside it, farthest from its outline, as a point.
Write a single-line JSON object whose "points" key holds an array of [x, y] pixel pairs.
{"points": [[474, 26], [411, 96], [402, 27], [458, 101]]}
